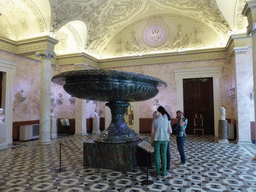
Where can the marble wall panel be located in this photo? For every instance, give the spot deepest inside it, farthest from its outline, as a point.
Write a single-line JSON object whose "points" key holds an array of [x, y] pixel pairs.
{"points": [[228, 84], [67, 109], [27, 78], [167, 97]]}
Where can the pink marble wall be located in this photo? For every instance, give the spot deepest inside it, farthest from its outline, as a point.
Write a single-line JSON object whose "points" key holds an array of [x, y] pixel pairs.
{"points": [[238, 68], [27, 77], [67, 109], [165, 72], [227, 85]]}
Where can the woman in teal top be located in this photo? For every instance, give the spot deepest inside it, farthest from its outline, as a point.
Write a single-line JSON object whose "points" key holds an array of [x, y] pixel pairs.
{"points": [[181, 136], [160, 135]]}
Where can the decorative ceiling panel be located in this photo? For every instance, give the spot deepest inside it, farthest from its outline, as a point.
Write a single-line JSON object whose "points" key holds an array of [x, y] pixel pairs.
{"points": [[162, 33]]}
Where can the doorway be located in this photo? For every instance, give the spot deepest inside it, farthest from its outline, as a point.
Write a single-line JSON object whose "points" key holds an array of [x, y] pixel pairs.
{"points": [[198, 99]]}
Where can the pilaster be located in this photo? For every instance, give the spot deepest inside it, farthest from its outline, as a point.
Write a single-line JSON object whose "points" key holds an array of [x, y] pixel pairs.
{"points": [[250, 12]]}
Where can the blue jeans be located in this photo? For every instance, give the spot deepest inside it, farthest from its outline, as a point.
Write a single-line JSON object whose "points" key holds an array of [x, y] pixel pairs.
{"points": [[180, 145], [160, 147]]}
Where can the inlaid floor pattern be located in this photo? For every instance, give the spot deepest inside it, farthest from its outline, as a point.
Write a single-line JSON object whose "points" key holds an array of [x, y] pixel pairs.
{"points": [[27, 166]]}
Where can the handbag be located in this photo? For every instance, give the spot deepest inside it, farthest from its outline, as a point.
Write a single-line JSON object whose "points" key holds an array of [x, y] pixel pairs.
{"points": [[175, 129]]}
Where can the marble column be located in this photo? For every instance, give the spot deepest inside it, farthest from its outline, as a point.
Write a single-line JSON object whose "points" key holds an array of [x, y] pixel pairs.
{"points": [[80, 108], [80, 115], [45, 97]]}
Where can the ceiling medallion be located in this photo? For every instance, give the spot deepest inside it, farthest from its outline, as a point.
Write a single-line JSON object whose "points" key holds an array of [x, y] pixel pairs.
{"points": [[155, 34]]}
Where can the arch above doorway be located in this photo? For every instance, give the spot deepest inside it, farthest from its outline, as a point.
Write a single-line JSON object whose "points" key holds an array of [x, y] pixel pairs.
{"points": [[215, 73]]}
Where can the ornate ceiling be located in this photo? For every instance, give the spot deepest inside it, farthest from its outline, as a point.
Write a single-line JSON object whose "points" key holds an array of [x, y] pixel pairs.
{"points": [[114, 28]]}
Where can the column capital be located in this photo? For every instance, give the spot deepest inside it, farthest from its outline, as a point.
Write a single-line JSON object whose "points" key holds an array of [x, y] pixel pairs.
{"points": [[46, 53], [250, 12]]}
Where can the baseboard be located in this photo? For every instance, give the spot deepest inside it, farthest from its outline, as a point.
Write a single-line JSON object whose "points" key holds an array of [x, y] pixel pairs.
{"points": [[3, 146], [243, 142]]}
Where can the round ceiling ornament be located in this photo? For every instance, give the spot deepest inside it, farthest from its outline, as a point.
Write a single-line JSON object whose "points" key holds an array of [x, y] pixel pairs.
{"points": [[155, 34]]}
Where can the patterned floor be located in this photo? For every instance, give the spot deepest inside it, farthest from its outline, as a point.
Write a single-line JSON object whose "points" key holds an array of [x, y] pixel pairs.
{"points": [[27, 166]]}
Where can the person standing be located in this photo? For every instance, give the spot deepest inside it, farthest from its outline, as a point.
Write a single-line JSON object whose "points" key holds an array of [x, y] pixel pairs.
{"points": [[160, 135], [182, 123], [166, 115]]}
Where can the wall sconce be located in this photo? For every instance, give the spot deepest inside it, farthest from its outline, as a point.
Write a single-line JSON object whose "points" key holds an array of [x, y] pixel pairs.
{"points": [[60, 99], [21, 96], [72, 99]]}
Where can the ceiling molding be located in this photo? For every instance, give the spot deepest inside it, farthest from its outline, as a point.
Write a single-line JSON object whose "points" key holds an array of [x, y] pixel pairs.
{"points": [[37, 44], [238, 43], [206, 54], [8, 45], [77, 58], [28, 47]]}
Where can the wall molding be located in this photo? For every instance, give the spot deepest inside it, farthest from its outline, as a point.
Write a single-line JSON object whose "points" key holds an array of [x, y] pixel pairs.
{"points": [[28, 47], [173, 57], [237, 43]]}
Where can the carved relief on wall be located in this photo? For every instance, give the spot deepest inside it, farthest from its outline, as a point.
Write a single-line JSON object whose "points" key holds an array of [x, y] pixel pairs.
{"points": [[241, 21], [5, 29], [40, 20], [62, 45], [155, 33], [184, 4], [204, 10], [24, 18], [76, 36], [161, 34], [117, 11]]}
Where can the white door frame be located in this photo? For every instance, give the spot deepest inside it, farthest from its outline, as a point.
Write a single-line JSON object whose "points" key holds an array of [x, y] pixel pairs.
{"points": [[187, 73], [8, 67]]}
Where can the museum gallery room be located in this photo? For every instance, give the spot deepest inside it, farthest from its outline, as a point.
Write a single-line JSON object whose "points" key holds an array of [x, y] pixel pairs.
{"points": [[80, 80]]}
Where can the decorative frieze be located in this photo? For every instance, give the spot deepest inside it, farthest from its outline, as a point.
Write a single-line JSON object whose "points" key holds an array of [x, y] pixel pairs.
{"points": [[37, 44], [7, 45]]}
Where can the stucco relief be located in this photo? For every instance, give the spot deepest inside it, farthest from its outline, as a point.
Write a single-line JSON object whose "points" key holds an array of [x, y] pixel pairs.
{"points": [[241, 21], [162, 33], [184, 4], [203, 10], [5, 29], [20, 16], [105, 18], [62, 45], [40, 21], [156, 33], [118, 12], [76, 36]]}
